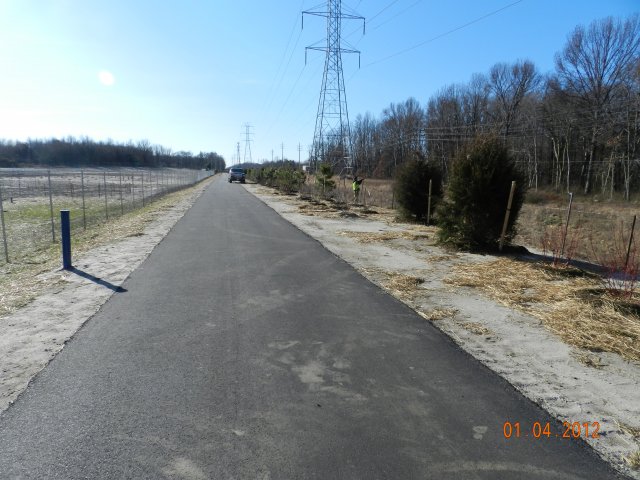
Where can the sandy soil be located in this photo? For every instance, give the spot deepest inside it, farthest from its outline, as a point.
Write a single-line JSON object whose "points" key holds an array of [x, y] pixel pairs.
{"points": [[512, 344]]}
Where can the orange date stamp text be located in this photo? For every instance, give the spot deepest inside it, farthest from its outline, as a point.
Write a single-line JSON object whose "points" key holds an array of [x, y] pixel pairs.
{"points": [[547, 430]]}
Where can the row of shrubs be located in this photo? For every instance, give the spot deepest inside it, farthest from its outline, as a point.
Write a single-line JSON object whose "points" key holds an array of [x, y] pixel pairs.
{"points": [[470, 212], [287, 179]]}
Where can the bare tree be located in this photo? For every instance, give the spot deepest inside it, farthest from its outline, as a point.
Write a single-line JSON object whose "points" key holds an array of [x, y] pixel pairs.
{"points": [[475, 103], [402, 126], [509, 85], [593, 62]]}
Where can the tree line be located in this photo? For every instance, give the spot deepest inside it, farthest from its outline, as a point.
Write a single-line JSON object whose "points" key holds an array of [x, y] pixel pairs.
{"points": [[72, 152], [575, 128]]}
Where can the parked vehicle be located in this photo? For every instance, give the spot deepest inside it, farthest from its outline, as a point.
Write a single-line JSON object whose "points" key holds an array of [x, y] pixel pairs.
{"points": [[236, 174]]}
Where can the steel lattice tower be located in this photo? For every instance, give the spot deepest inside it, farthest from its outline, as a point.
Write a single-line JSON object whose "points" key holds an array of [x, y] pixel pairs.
{"points": [[332, 136], [247, 144]]}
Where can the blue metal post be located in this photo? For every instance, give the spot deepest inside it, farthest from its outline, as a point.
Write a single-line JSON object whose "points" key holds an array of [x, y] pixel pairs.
{"points": [[65, 225]]}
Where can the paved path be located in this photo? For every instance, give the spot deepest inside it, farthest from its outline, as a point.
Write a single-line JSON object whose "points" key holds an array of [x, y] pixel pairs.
{"points": [[242, 349]]}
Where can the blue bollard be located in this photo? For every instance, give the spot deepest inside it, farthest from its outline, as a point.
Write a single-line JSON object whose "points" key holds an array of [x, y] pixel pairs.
{"points": [[65, 226]]}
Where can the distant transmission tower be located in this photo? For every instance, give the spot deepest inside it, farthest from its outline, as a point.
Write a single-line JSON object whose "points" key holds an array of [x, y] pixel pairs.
{"points": [[332, 136], [247, 143]]}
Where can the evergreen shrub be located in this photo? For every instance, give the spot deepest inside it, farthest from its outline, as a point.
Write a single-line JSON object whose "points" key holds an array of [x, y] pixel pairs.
{"points": [[472, 215], [411, 189]]}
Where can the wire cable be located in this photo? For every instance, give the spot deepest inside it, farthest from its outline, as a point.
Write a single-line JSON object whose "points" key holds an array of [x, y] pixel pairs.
{"points": [[437, 37]]}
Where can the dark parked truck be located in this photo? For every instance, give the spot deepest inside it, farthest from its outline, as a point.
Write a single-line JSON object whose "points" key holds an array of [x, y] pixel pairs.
{"points": [[236, 174]]}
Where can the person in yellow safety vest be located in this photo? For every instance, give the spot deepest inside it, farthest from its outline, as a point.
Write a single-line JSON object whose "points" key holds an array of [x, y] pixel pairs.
{"points": [[356, 188]]}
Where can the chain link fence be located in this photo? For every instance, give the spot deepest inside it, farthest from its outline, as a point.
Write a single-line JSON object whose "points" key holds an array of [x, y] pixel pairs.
{"points": [[31, 200]]}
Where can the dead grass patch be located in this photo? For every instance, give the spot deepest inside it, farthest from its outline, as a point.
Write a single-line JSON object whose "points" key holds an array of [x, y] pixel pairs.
{"points": [[574, 308], [403, 286], [590, 360], [476, 328], [633, 460], [374, 237], [438, 314], [629, 430]]}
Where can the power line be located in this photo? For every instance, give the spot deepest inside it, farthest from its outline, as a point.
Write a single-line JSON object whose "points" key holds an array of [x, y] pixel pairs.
{"points": [[437, 37]]}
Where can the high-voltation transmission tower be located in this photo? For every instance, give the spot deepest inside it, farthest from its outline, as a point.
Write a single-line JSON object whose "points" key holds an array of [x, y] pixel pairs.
{"points": [[332, 136], [247, 143]]}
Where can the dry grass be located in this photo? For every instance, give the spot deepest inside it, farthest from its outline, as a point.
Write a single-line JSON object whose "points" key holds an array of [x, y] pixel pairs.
{"points": [[633, 460], [20, 283], [629, 430], [575, 308], [403, 286], [373, 237], [590, 360], [590, 228], [438, 314], [476, 328]]}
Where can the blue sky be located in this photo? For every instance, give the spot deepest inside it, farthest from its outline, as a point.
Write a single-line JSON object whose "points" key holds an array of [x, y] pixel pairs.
{"points": [[190, 74]]}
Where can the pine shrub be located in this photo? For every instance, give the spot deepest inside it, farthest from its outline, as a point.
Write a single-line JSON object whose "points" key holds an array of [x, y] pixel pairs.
{"points": [[324, 181], [411, 188], [472, 215]]}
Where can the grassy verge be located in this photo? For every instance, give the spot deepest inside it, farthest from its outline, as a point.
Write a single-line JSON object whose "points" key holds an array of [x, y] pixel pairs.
{"points": [[20, 282]]}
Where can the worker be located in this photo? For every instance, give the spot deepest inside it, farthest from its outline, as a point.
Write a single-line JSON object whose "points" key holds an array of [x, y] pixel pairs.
{"points": [[356, 188]]}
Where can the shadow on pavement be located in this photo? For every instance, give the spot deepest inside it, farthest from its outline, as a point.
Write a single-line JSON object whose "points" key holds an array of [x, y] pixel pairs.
{"points": [[98, 280]]}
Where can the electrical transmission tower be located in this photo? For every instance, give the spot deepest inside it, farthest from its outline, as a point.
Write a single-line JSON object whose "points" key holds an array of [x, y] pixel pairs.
{"points": [[247, 143], [332, 136]]}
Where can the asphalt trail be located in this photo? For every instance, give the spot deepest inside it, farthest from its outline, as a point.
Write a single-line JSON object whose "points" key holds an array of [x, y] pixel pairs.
{"points": [[242, 349]]}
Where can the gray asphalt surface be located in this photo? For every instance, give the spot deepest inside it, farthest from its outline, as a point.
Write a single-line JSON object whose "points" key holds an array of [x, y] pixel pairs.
{"points": [[242, 349]]}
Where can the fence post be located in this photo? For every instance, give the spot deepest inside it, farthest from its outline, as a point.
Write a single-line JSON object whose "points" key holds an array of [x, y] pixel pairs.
{"points": [[142, 178], [507, 215], [65, 231], [84, 209], [566, 229], [633, 227], [429, 202], [4, 231], [106, 205], [121, 200], [53, 226]]}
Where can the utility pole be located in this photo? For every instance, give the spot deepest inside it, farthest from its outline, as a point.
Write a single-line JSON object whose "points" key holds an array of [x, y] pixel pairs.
{"points": [[299, 150], [282, 151], [332, 136], [238, 153], [272, 155]]}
